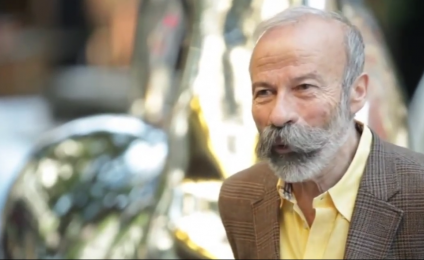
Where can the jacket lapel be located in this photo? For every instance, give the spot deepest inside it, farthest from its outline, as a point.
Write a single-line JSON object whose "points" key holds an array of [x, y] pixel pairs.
{"points": [[266, 219], [375, 221]]}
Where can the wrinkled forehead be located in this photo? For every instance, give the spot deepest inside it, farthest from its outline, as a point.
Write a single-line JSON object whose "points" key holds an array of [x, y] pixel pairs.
{"points": [[312, 41]]}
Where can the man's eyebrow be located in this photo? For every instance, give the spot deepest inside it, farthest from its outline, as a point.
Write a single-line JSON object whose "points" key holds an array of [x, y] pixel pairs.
{"points": [[311, 75], [297, 79], [261, 84]]}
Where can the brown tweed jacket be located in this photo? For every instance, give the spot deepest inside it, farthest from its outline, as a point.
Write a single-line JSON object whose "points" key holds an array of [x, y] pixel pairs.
{"points": [[387, 223]]}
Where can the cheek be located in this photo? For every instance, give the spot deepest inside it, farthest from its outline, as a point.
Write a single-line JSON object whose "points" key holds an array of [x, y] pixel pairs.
{"points": [[260, 116], [319, 111], [315, 113]]}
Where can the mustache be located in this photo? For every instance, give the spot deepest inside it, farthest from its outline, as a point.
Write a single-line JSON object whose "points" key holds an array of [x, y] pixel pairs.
{"points": [[301, 139]]}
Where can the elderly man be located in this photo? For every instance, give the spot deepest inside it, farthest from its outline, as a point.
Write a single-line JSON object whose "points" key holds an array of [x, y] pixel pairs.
{"points": [[328, 188]]}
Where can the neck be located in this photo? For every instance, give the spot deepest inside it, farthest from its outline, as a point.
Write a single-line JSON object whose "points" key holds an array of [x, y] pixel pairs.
{"points": [[333, 173]]}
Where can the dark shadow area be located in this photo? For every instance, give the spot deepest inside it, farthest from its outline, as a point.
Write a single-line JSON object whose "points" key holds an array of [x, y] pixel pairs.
{"points": [[403, 25]]}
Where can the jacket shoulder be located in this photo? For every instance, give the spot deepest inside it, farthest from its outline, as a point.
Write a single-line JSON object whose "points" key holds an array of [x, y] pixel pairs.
{"points": [[248, 184], [409, 169], [406, 154], [407, 161], [410, 200]]}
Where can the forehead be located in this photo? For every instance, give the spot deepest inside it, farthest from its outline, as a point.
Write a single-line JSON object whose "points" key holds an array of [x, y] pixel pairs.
{"points": [[312, 43]]}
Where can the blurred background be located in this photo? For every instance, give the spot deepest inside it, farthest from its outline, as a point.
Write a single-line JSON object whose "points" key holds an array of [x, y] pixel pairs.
{"points": [[121, 118]]}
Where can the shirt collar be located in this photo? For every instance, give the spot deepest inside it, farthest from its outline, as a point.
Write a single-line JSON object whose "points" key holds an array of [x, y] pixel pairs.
{"points": [[344, 193]]}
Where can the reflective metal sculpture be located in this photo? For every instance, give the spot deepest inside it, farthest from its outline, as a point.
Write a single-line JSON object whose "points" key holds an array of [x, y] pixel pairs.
{"points": [[87, 191], [90, 188], [161, 31]]}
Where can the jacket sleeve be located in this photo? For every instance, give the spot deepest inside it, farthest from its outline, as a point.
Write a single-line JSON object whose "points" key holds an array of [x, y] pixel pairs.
{"points": [[224, 206]]}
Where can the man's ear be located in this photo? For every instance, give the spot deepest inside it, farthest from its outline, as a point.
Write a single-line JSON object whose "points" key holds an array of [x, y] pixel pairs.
{"points": [[358, 93]]}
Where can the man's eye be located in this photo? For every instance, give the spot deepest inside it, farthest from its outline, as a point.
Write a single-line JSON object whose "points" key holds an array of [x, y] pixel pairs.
{"points": [[304, 87], [263, 92]]}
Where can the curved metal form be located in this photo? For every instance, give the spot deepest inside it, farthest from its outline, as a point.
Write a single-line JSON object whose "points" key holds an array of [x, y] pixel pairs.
{"points": [[416, 119], [222, 131], [87, 191], [90, 188], [161, 31]]}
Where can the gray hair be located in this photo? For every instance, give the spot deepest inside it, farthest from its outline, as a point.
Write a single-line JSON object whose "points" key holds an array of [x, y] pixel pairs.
{"points": [[353, 38]]}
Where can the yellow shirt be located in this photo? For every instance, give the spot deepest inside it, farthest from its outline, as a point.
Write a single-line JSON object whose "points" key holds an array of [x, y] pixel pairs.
{"points": [[326, 238]]}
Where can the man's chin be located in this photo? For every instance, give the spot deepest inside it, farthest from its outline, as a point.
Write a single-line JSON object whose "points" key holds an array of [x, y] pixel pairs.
{"points": [[293, 172]]}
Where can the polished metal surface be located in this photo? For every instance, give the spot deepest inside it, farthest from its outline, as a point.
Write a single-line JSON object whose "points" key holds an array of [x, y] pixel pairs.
{"points": [[90, 187], [416, 119], [191, 228], [87, 191], [161, 32], [222, 132]]}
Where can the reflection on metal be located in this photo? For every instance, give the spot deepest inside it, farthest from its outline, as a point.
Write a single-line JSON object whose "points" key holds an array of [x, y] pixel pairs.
{"points": [[416, 119], [160, 36], [222, 130], [87, 191], [319, 4], [271, 8], [387, 112], [198, 216], [193, 212]]}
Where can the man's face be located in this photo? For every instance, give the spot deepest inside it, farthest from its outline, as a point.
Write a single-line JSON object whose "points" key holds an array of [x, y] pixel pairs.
{"points": [[298, 103]]}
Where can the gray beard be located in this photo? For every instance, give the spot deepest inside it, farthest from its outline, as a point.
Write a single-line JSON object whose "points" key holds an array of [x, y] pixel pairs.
{"points": [[295, 167], [299, 166]]}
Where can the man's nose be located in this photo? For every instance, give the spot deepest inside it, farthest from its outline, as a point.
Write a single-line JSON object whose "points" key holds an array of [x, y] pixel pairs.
{"points": [[283, 114]]}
